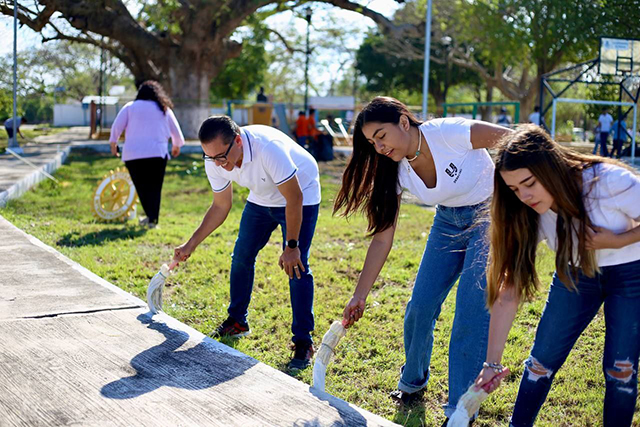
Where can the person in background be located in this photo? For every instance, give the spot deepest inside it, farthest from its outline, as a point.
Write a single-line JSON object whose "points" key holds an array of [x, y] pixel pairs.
{"points": [[348, 119], [535, 116], [284, 185], [604, 127], [8, 126], [596, 140], [503, 118], [313, 133], [302, 129], [586, 208], [261, 97], [332, 123], [147, 122], [619, 137]]}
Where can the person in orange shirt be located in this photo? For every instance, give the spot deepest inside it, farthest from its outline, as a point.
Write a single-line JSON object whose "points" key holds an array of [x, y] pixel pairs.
{"points": [[302, 129], [313, 132]]}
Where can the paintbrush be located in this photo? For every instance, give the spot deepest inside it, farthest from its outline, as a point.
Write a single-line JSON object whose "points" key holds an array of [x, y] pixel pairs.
{"points": [[154, 291]]}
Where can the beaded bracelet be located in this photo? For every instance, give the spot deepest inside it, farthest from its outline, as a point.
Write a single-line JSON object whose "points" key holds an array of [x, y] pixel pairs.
{"points": [[497, 368]]}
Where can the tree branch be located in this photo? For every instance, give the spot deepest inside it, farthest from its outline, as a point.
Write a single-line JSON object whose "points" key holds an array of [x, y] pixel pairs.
{"points": [[498, 80], [113, 21], [36, 24], [284, 42], [121, 54], [383, 22]]}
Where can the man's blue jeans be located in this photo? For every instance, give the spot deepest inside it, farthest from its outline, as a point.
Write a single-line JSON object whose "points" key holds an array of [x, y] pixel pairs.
{"points": [[256, 226], [566, 314], [457, 248]]}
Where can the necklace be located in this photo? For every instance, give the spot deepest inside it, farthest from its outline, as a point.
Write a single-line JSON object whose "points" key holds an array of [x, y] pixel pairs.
{"points": [[419, 145]]}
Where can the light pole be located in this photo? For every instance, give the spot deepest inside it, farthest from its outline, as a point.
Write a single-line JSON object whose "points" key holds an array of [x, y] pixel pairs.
{"points": [[427, 50], [446, 42], [306, 65], [13, 142], [101, 86]]}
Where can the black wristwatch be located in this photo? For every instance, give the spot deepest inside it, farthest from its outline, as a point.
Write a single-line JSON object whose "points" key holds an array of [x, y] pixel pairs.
{"points": [[292, 244]]}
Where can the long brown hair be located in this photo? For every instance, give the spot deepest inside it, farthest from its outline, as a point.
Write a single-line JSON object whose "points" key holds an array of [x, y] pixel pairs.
{"points": [[514, 226], [151, 90], [370, 181]]}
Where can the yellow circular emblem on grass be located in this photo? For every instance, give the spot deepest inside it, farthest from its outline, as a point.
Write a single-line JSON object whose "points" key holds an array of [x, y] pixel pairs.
{"points": [[115, 197]]}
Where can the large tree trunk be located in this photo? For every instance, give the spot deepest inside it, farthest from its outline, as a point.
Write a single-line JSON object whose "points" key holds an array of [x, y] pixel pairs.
{"points": [[439, 96], [189, 89], [529, 100], [486, 111]]}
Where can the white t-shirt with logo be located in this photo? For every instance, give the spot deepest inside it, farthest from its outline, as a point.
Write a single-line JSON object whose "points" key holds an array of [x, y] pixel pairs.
{"points": [[612, 202], [605, 121], [270, 158], [464, 175]]}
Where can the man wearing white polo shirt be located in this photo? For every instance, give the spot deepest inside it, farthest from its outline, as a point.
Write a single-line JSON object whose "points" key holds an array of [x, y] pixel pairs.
{"points": [[284, 186]]}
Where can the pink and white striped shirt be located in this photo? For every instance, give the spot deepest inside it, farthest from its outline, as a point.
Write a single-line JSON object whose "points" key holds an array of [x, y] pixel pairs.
{"points": [[146, 130]]}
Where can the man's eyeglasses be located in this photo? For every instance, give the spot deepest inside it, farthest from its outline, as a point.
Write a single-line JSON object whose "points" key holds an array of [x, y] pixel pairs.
{"points": [[220, 158]]}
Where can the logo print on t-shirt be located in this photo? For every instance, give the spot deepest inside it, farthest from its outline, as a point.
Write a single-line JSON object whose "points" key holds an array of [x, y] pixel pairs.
{"points": [[452, 170], [263, 179]]}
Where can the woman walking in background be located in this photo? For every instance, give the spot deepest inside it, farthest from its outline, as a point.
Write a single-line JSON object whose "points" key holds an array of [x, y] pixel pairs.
{"points": [[586, 208], [443, 162], [147, 123]]}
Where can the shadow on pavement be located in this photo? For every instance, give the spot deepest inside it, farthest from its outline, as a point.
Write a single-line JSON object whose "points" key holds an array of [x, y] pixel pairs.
{"points": [[165, 365]]}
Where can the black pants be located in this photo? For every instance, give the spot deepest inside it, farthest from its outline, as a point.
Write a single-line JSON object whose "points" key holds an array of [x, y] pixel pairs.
{"points": [[604, 136], [148, 176], [617, 148], [9, 132]]}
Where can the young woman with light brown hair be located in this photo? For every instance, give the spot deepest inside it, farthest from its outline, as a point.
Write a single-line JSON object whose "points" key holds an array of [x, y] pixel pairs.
{"points": [[586, 208]]}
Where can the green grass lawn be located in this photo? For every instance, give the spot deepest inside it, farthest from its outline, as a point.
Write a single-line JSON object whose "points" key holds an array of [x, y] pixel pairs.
{"points": [[367, 363]]}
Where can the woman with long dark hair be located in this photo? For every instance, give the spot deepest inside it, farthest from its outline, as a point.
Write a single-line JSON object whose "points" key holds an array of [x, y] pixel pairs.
{"points": [[147, 123], [443, 162], [586, 208]]}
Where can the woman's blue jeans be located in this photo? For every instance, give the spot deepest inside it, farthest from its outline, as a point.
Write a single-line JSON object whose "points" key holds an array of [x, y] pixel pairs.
{"points": [[457, 248], [566, 314], [256, 226]]}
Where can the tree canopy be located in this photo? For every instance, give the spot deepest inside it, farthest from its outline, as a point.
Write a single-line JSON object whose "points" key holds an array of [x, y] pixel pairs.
{"points": [[184, 44], [59, 71], [510, 44]]}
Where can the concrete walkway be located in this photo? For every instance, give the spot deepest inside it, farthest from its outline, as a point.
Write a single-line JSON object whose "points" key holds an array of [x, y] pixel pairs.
{"points": [[16, 176], [77, 350]]}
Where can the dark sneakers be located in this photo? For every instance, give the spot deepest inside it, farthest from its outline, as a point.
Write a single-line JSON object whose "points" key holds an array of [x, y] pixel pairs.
{"points": [[405, 398], [302, 354], [231, 328]]}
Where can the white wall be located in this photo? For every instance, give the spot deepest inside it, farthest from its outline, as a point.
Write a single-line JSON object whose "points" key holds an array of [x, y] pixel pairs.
{"points": [[76, 115], [69, 115]]}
